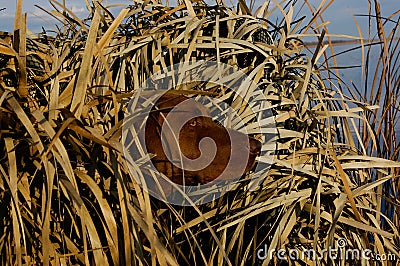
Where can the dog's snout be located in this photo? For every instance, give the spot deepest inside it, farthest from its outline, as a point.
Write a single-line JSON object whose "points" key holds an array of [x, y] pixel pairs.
{"points": [[255, 146]]}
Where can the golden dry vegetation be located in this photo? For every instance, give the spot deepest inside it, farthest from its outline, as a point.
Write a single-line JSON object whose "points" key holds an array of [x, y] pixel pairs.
{"points": [[67, 196]]}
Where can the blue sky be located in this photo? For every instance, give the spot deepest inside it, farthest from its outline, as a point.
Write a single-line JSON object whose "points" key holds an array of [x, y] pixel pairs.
{"points": [[340, 14]]}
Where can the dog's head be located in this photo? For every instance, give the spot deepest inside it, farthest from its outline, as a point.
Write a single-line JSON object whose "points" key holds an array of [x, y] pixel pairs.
{"points": [[181, 129]]}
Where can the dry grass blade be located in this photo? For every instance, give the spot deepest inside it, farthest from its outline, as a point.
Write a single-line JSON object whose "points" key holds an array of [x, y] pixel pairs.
{"points": [[16, 215], [84, 74]]}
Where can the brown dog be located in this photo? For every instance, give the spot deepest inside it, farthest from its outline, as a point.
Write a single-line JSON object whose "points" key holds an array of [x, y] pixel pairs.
{"points": [[180, 130]]}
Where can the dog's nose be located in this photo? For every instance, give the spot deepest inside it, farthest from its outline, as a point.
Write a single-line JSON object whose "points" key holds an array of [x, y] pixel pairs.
{"points": [[255, 146]]}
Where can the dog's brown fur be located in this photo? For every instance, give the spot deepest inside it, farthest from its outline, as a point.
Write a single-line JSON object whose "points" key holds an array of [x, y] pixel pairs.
{"points": [[189, 140]]}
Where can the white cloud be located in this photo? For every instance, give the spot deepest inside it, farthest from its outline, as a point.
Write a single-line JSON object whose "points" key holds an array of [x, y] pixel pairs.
{"points": [[6, 16], [78, 9]]}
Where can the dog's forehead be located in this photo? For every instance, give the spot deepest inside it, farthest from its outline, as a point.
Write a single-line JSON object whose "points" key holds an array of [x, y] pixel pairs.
{"points": [[194, 107], [183, 104]]}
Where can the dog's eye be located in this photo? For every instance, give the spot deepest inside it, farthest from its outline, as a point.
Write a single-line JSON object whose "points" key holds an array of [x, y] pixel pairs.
{"points": [[193, 123]]}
